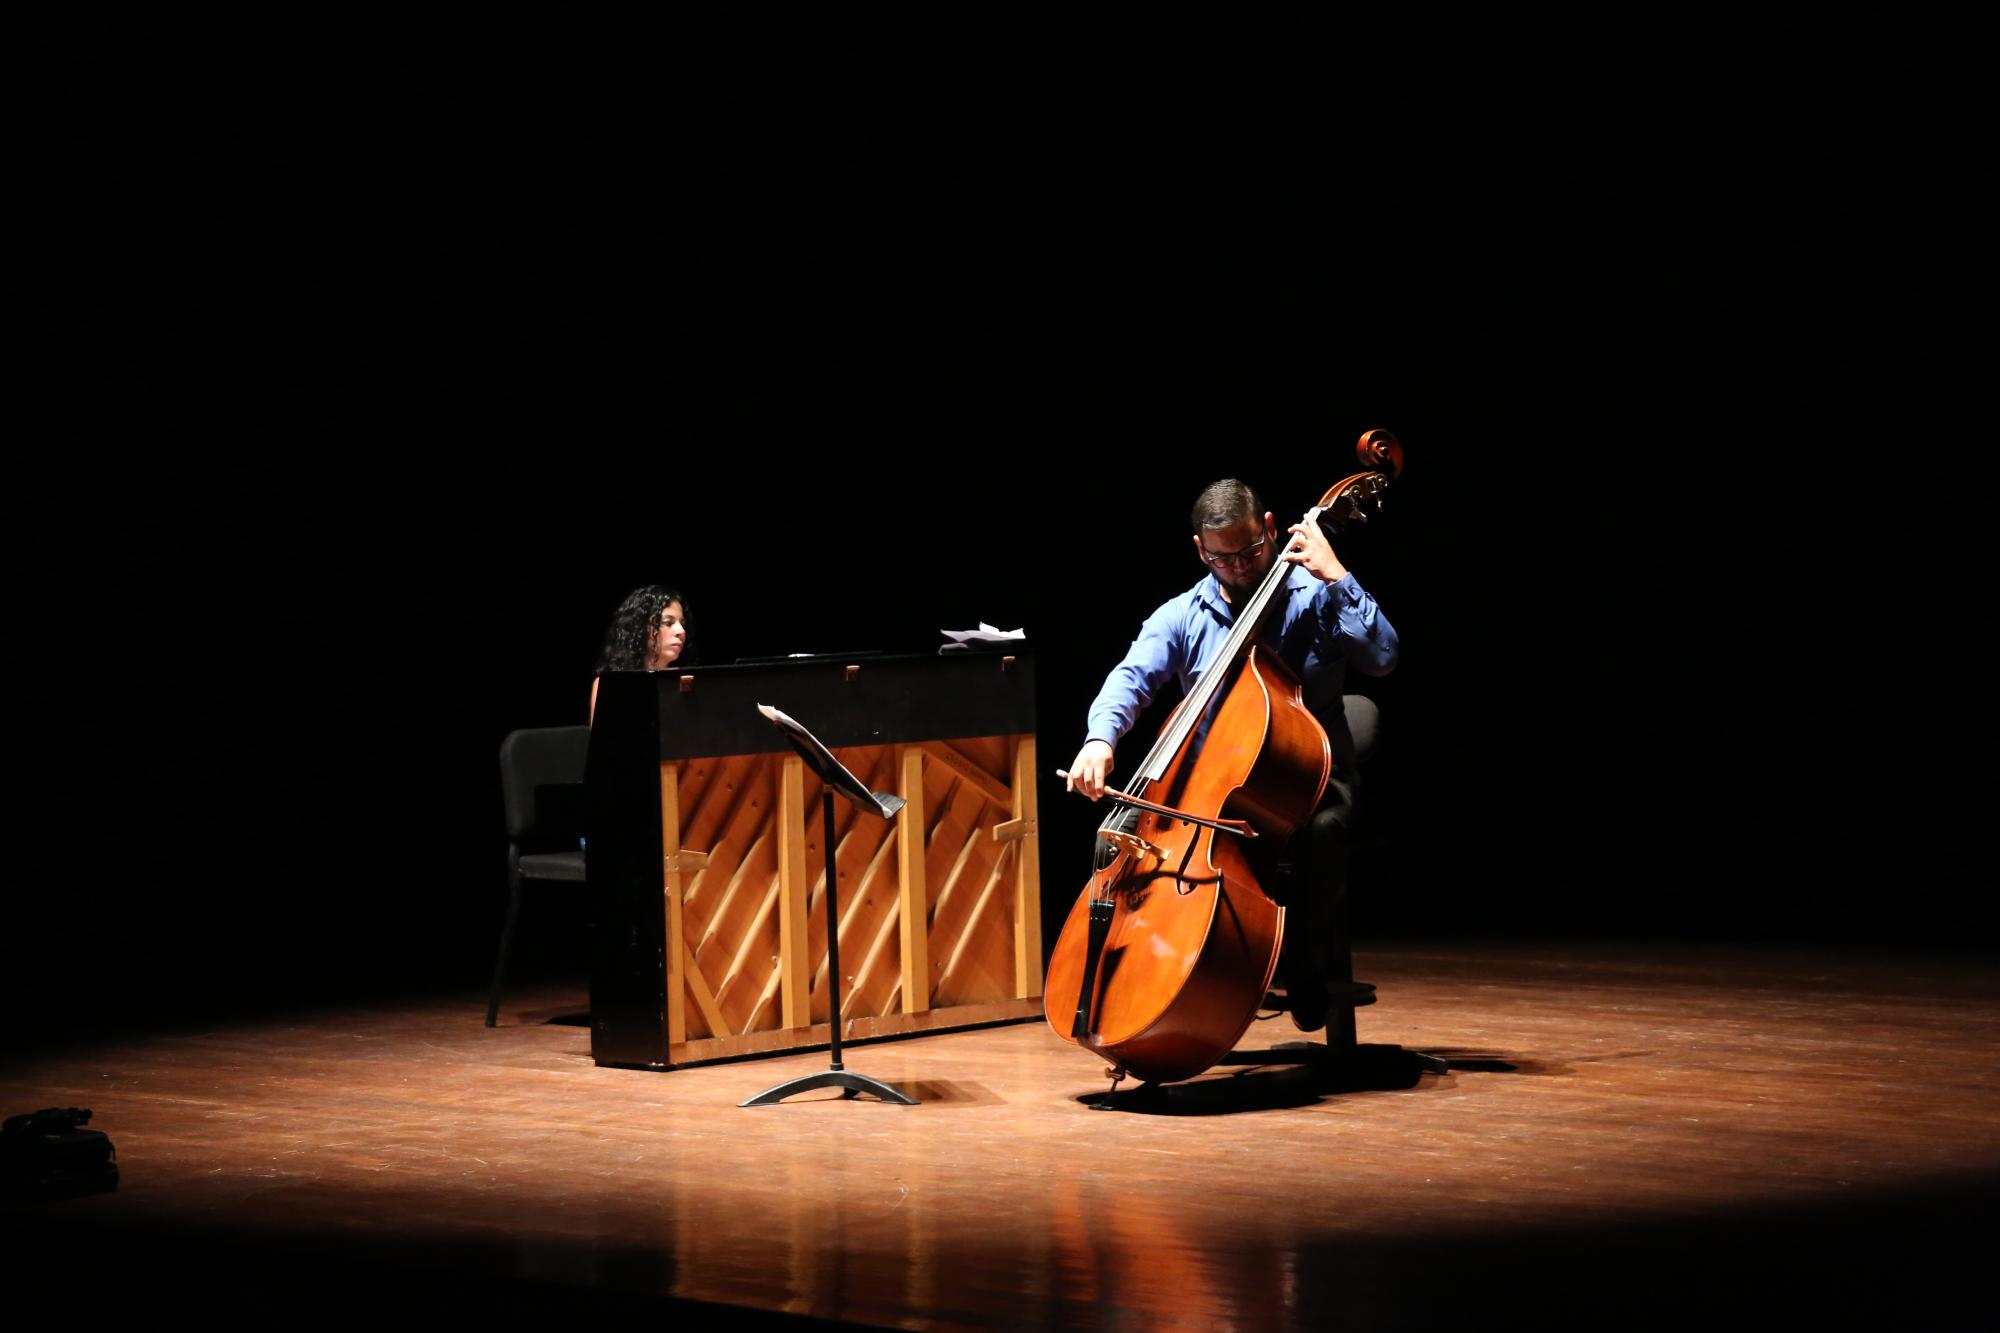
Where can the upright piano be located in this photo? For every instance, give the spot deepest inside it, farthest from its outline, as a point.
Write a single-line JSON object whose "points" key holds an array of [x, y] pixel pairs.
{"points": [[708, 928]]}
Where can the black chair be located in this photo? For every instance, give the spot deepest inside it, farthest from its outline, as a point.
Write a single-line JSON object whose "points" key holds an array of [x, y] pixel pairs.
{"points": [[1364, 719], [541, 785]]}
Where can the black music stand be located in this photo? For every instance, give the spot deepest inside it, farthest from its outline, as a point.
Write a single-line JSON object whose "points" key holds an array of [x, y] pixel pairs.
{"points": [[833, 776]]}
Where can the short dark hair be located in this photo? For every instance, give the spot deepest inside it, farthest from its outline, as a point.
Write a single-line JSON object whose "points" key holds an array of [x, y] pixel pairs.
{"points": [[1224, 503], [631, 629]]}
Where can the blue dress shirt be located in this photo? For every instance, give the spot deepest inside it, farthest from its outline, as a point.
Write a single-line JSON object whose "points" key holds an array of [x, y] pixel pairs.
{"points": [[1319, 630]]}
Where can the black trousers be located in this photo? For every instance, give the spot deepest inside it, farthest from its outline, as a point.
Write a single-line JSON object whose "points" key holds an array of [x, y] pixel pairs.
{"points": [[1318, 951]]}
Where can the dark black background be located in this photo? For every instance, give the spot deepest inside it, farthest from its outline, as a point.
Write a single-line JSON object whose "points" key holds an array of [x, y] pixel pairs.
{"points": [[372, 366]]}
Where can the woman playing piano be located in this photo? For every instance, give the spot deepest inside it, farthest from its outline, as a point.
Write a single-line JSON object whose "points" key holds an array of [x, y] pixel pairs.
{"points": [[648, 632]]}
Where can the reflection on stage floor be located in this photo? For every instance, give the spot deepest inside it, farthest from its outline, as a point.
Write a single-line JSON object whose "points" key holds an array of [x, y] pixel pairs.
{"points": [[1627, 1134]]}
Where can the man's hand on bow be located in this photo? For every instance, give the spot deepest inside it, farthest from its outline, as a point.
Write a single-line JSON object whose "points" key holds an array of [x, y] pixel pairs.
{"points": [[1090, 768]]}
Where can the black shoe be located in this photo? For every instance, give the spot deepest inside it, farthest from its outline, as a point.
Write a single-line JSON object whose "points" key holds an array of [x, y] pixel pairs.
{"points": [[1306, 999]]}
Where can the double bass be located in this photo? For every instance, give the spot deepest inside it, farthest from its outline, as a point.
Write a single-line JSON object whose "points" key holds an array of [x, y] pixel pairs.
{"points": [[1170, 949]]}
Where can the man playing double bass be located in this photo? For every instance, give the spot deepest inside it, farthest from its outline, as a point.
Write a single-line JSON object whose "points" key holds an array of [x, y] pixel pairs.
{"points": [[1323, 622]]}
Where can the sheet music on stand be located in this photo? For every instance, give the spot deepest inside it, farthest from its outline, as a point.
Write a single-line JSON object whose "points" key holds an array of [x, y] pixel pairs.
{"points": [[828, 767]]}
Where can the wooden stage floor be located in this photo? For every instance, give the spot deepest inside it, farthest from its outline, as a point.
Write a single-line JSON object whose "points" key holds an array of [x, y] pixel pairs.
{"points": [[1629, 1136]]}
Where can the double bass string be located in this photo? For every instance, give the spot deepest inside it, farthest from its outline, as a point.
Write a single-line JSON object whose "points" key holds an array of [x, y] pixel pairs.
{"points": [[1204, 692], [1117, 872]]}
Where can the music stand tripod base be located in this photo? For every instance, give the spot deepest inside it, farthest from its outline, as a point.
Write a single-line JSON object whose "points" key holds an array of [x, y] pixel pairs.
{"points": [[855, 1085]]}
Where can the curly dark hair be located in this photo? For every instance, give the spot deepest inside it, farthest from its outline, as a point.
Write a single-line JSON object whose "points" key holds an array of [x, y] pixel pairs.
{"points": [[632, 626]]}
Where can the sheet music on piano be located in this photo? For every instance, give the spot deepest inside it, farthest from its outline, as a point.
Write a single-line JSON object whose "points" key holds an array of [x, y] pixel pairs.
{"points": [[985, 636]]}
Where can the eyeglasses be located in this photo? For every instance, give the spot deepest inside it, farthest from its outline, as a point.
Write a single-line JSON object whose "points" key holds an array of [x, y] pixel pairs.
{"points": [[1230, 558]]}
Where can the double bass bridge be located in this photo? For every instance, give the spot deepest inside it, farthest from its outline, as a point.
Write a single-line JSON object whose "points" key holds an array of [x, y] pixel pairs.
{"points": [[1132, 843]]}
